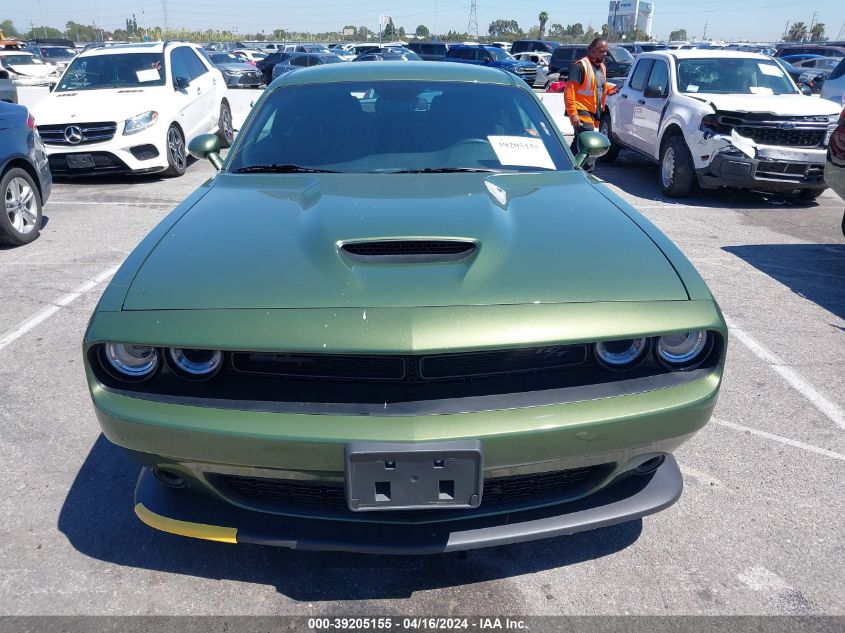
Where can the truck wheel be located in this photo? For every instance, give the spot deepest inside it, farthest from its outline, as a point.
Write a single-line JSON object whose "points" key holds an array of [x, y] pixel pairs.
{"points": [[606, 129], [177, 155], [225, 129], [676, 169], [20, 218]]}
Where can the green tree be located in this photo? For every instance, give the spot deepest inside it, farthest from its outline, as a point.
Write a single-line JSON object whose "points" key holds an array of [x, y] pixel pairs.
{"points": [[8, 28], [797, 32], [637, 35], [678, 35], [543, 17], [589, 35], [557, 32], [42, 31], [402, 33], [389, 32], [422, 31], [605, 31], [817, 32], [504, 29]]}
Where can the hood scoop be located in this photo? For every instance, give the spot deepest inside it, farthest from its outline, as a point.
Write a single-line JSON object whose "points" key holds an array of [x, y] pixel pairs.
{"points": [[416, 251]]}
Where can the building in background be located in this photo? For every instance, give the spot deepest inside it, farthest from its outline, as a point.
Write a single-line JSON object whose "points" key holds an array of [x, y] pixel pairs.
{"points": [[625, 15]]}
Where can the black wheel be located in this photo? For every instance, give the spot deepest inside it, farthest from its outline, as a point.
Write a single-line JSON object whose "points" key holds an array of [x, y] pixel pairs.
{"points": [[20, 220], [177, 155], [606, 129], [677, 174], [809, 194], [225, 129], [843, 224]]}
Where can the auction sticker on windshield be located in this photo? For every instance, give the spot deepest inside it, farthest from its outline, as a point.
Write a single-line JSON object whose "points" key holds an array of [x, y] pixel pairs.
{"points": [[769, 69], [521, 151], [148, 75]]}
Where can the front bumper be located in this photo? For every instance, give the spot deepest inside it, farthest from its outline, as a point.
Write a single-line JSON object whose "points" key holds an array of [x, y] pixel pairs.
{"points": [[180, 511], [252, 80], [769, 172], [144, 152]]}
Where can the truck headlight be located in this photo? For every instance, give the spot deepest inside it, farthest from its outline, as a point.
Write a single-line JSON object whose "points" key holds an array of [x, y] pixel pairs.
{"points": [[139, 122]]}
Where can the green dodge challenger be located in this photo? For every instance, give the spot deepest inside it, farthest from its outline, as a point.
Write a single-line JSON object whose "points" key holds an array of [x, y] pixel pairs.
{"points": [[400, 319]]}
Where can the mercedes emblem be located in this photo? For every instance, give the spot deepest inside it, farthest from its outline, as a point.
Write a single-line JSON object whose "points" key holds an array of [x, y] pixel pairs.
{"points": [[73, 135]]}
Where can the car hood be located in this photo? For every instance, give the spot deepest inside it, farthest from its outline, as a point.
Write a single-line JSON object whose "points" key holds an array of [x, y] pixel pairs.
{"points": [[115, 104], [258, 241], [799, 105], [242, 67], [33, 70]]}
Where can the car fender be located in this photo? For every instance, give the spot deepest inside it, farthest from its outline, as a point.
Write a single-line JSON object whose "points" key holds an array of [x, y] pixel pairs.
{"points": [[686, 113]]}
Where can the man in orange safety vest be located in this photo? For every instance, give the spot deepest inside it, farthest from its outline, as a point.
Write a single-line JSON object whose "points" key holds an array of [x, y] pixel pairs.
{"points": [[586, 91]]}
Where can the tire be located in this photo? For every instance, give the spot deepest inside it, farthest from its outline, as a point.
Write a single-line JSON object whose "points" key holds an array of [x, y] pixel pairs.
{"points": [[225, 129], [677, 174], [177, 155], [809, 194], [606, 129], [20, 216]]}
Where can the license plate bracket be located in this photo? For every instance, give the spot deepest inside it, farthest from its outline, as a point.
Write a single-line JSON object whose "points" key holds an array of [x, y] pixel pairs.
{"points": [[80, 161], [413, 476]]}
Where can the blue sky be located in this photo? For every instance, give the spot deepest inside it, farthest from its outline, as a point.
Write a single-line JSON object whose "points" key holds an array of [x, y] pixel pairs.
{"points": [[727, 19]]}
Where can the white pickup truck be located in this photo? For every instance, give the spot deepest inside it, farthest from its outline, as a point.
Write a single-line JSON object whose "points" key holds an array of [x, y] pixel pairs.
{"points": [[721, 119]]}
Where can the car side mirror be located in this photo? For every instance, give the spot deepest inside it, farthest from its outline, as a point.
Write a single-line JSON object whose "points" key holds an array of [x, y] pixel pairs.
{"points": [[182, 83], [206, 146], [592, 145], [51, 86], [652, 92], [805, 90], [4, 74]]}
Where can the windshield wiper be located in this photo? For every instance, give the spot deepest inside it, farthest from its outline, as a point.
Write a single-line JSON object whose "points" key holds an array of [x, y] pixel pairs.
{"points": [[285, 168], [443, 170]]}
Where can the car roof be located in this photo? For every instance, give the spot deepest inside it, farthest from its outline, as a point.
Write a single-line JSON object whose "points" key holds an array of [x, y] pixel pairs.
{"points": [[397, 71], [13, 52], [704, 53]]}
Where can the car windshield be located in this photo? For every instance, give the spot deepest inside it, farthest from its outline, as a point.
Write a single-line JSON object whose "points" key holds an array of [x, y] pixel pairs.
{"points": [[114, 71], [399, 126], [57, 52], [728, 75], [19, 60], [226, 58], [499, 54], [621, 55]]}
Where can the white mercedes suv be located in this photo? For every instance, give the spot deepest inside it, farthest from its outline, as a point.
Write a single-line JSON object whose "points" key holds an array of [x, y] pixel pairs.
{"points": [[132, 108]]}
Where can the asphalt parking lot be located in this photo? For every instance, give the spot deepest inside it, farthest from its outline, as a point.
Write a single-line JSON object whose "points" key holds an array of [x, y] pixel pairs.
{"points": [[758, 529]]}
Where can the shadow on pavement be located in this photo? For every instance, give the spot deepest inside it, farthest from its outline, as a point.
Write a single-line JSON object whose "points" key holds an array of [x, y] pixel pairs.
{"points": [[98, 520], [636, 176], [813, 271]]}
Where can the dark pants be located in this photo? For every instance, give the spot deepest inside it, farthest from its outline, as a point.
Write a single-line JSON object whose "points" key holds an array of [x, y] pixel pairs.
{"points": [[590, 163]]}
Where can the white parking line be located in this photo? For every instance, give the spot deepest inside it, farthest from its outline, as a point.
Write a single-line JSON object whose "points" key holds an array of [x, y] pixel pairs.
{"points": [[783, 440], [819, 400], [62, 302]]}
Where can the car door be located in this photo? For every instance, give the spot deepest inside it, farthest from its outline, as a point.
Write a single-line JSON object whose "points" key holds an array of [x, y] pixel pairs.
{"points": [[189, 104], [650, 107], [629, 97], [205, 78]]}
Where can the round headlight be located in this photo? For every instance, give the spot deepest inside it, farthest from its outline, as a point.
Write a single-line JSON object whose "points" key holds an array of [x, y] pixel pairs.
{"points": [[131, 361], [195, 363], [682, 349], [621, 354]]}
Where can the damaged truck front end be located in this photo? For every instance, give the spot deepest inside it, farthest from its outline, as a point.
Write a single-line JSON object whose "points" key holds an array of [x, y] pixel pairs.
{"points": [[762, 151]]}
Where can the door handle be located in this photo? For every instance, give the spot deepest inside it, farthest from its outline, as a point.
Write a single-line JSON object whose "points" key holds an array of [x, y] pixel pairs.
{"points": [[624, 96], [199, 90], [641, 101]]}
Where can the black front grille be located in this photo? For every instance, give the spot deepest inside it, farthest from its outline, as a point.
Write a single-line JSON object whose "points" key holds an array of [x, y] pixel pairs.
{"points": [[786, 138], [249, 79], [405, 248], [90, 133], [499, 492], [103, 162], [410, 369], [345, 366]]}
